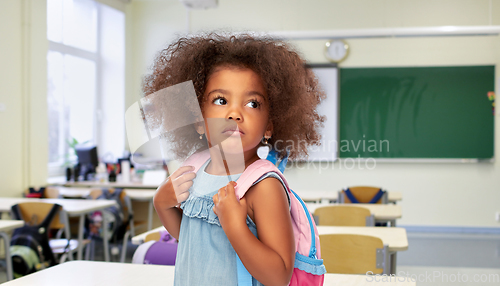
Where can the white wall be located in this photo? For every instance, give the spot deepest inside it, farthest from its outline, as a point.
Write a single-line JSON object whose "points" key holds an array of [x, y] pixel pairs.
{"points": [[437, 194], [23, 124]]}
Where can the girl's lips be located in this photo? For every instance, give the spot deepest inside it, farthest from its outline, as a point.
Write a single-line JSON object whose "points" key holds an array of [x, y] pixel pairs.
{"points": [[231, 131]]}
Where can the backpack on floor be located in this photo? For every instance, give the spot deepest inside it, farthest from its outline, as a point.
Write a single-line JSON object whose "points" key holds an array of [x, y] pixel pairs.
{"points": [[30, 249], [117, 222], [308, 267]]}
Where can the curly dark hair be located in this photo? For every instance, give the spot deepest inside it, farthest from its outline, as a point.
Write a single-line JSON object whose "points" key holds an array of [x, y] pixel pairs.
{"points": [[293, 90]]}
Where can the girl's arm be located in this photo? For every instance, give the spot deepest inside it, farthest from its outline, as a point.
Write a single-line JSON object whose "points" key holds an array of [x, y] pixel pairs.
{"points": [[174, 190], [270, 258]]}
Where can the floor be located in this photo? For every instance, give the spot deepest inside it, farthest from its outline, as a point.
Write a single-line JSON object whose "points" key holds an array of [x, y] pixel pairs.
{"points": [[431, 259]]}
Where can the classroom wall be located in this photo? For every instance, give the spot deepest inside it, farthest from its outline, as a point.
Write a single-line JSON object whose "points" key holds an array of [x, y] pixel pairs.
{"points": [[23, 91], [434, 194]]}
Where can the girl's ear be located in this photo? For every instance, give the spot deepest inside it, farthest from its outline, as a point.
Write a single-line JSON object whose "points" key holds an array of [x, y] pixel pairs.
{"points": [[200, 127]]}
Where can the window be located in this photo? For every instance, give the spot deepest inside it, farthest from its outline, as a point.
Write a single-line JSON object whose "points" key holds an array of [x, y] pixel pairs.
{"points": [[86, 71]]}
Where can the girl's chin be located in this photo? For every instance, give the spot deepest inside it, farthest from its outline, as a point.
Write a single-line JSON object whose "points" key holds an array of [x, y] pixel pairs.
{"points": [[233, 148]]}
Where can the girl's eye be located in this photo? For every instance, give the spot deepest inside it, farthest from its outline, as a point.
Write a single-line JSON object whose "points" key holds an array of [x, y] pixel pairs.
{"points": [[253, 104], [220, 101]]}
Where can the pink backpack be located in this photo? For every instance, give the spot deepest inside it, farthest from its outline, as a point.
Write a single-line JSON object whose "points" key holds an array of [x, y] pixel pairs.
{"points": [[308, 266]]}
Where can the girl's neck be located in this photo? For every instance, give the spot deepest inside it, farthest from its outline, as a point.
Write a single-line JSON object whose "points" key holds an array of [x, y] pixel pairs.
{"points": [[233, 163]]}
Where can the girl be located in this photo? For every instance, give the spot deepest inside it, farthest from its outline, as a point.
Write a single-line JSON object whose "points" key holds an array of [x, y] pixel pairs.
{"points": [[263, 87]]}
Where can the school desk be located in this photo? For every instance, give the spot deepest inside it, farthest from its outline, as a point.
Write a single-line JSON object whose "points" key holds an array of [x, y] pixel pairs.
{"points": [[84, 273], [381, 212], [5, 226], [332, 196], [78, 208], [141, 195], [394, 237]]}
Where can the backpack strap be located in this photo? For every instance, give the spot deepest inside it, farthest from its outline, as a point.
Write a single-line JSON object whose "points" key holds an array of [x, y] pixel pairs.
{"points": [[353, 199], [377, 196], [253, 173], [244, 277], [197, 159], [50, 216], [350, 196]]}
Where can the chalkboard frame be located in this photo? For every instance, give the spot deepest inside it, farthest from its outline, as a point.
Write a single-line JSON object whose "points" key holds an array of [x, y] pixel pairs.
{"points": [[348, 89]]}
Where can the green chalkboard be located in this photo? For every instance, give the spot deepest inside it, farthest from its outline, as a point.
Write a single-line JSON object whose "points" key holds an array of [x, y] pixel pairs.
{"points": [[416, 112]]}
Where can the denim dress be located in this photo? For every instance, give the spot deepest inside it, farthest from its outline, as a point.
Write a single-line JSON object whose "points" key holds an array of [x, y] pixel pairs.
{"points": [[204, 254]]}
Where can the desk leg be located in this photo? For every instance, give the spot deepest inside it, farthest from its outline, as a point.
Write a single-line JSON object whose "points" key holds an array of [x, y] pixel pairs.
{"points": [[105, 238], [393, 262], [150, 215], [80, 236], [8, 259]]}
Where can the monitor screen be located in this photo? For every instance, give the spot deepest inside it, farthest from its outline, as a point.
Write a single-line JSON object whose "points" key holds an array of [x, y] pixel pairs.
{"points": [[87, 155]]}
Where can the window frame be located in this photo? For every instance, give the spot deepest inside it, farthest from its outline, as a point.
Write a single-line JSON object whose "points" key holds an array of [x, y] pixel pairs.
{"points": [[58, 168]]}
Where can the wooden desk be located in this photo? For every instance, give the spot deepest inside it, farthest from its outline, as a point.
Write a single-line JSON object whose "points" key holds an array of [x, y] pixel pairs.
{"points": [[381, 212], [7, 225], [327, 196], [84, 273], [71, 208], [394, 237], [141, 195]]}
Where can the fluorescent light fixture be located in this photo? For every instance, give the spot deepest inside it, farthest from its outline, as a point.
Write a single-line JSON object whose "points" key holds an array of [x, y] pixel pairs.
{"points": [[388, 32]]}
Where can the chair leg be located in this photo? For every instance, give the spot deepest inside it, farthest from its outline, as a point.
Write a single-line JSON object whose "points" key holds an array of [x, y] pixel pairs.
{"points": [[62, 259], [124, 246], [89, 252]]}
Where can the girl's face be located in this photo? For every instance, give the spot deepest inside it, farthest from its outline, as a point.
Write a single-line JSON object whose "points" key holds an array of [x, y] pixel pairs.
{"points": [[236, 96]]}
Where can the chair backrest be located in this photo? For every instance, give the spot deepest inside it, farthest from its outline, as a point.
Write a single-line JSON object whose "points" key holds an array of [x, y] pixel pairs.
{"points": [[95, 193], [344, 216], [38, 218], [353, 254], [156, 236], [35, 212], [364, 194], [51, 193]]}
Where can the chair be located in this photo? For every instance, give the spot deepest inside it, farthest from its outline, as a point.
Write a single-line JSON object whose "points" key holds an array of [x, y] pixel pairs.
{"points": [[156, 236], [52, 193], [127, 230], [133, 225], [341, 215], [354, 254], [34, 212], [363, 194]]}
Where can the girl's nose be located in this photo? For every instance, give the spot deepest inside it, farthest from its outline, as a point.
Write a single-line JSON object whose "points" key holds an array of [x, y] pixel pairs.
{"points": [[235, 115]]}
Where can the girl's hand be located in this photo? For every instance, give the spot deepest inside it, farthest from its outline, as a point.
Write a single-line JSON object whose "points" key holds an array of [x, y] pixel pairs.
{"points": [[230, 211], [175, 189]]}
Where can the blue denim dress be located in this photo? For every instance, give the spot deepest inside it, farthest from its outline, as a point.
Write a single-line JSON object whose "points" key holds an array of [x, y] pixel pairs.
{"points": [[204, 254]]}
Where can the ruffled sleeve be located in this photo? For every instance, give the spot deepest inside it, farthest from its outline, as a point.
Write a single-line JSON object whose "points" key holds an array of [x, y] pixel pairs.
{"points": [[202, 207]]}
